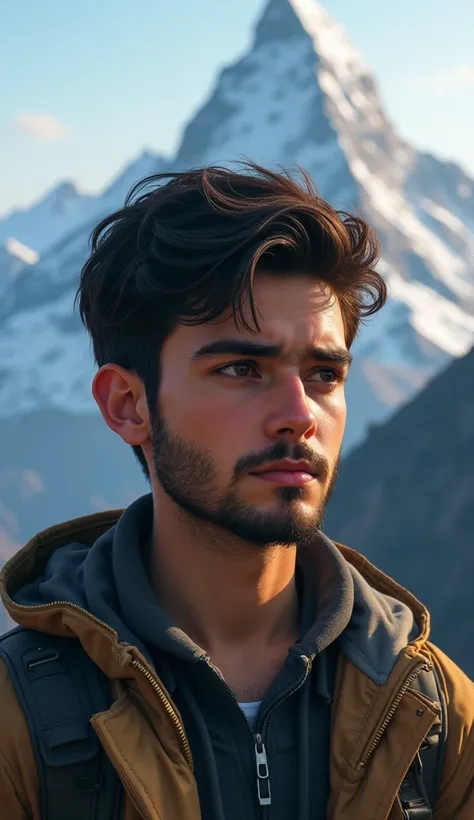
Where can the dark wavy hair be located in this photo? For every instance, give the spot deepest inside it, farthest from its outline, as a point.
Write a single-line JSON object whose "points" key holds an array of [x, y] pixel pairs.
{"points": [[186, 246]]}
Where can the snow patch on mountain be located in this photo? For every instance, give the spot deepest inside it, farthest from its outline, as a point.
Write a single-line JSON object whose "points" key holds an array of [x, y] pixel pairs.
{"points": [[21, 252], [15, 259]]}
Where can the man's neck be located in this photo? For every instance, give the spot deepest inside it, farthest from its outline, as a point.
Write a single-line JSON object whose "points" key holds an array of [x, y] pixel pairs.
{"points": [[225, 594]]}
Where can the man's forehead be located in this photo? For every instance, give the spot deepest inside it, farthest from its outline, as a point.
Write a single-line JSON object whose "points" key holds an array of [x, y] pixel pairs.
{"points": [[289, 325], [281, 332], [294, 313]]}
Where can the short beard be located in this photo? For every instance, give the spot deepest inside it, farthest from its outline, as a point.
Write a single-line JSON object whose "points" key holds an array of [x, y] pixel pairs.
{"points": [[188, 476]]}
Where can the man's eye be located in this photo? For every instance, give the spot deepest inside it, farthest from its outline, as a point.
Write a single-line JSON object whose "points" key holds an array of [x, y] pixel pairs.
{"points": [[238, 370], [327, 375]]}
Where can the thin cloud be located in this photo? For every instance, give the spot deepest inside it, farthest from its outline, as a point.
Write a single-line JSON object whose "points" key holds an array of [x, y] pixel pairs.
{"points": [[460, 77], [43, 127]]}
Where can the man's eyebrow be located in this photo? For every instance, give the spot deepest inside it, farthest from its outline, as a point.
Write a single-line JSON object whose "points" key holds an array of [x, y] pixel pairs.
{"points": [[262, 350]]}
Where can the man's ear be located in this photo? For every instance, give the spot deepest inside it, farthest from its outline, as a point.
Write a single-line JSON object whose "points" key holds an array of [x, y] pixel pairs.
{"points": [[121, 397]]}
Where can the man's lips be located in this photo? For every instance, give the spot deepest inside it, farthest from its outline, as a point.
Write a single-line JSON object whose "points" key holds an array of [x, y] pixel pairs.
{"points": [[291, 478], [292, 474]]}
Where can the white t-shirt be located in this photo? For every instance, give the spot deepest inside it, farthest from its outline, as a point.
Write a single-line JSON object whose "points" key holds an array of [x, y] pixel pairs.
{"points": [[250, 711]]}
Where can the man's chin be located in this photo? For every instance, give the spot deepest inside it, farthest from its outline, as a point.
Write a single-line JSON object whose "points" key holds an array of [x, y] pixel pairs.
{"points": [[269, 526], [291, 505]]}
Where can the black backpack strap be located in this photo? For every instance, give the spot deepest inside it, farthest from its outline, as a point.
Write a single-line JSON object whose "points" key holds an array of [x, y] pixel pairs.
{"points": [[419, 790], [59, 689]]}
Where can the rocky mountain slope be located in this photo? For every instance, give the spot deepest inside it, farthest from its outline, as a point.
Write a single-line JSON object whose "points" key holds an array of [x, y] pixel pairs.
{"points": [[405, 499]]}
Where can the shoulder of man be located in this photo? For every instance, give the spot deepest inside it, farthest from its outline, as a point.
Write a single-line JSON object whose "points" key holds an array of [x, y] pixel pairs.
{"points": [[19, 785], [456, 792]]}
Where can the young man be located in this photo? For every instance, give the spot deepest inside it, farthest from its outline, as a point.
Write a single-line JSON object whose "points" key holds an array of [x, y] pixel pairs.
{"points": [[255, 669]]}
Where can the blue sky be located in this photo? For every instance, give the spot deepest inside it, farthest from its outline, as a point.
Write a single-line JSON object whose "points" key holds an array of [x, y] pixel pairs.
{"points": [[85, 86]]}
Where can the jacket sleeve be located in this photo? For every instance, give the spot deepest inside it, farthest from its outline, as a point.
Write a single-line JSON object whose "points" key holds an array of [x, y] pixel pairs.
{"points": [[18, 774], [456, 794]]}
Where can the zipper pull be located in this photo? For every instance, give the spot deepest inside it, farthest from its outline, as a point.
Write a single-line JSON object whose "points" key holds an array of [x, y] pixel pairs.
{"points": [[263, 775]]}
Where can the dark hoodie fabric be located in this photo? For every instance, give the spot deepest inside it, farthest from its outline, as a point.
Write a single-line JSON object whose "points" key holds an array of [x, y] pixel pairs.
{"points": [[339, 612]]}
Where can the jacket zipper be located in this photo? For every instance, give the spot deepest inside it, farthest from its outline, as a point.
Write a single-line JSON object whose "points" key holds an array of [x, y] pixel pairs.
{"points": [[425, 666], [169, 709], [260, 751], [264, 793], [263, 777], [136, 664]]}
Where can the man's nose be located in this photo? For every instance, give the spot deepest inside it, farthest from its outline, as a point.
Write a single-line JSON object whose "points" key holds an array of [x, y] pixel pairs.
{"points": [[292, 415]]}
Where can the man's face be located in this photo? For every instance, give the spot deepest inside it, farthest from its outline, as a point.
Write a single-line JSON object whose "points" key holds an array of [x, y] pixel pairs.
{"points": [[227, 410]]}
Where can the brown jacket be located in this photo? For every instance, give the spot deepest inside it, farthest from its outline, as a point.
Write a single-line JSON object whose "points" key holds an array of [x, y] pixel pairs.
{"points": [[376, 730]]}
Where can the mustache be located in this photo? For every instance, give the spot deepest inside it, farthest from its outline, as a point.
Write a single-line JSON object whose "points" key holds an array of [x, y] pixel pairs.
{"points": [[280, 450]]}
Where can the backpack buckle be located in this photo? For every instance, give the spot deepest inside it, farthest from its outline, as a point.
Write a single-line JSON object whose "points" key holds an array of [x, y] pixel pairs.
{"points": [[416, 810], [413, 800]]}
